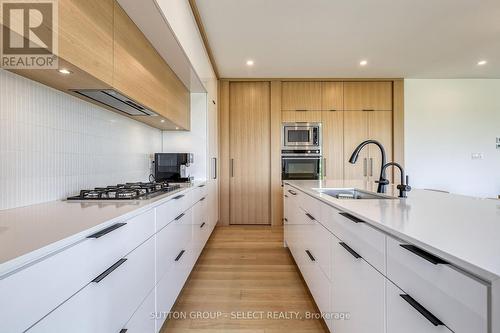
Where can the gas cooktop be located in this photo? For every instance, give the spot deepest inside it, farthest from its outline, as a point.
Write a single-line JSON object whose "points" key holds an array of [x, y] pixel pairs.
{"points": [[127, 191]]}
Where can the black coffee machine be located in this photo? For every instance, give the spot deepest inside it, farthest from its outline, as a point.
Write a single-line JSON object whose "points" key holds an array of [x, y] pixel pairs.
{"points": [[173, 167]]}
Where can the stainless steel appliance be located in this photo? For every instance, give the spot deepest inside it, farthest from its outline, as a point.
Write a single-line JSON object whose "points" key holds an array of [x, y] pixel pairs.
{"points": [[301, 136], [301, 155], [127, 191], [117, 101], [173, 167]]}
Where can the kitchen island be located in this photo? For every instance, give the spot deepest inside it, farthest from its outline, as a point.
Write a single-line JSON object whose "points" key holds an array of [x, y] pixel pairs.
{"points": [[427, 263]]}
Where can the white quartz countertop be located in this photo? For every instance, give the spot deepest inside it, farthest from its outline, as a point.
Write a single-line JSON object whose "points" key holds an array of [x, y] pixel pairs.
{"points": [[32, 232], [463, 230]]}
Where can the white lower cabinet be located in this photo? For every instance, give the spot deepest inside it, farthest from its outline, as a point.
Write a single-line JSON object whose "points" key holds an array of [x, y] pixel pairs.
{"points": [[404, 315], [372, 281], [118, 278], [143, 320], [106, 303], [358, 291]]}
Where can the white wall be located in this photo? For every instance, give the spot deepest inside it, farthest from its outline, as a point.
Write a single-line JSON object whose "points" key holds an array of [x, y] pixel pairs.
{"points": [[52, 144], [194, 141], [446, 121]]}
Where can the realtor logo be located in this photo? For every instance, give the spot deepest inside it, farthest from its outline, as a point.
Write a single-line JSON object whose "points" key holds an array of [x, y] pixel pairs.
{"points": [[29, 34]]}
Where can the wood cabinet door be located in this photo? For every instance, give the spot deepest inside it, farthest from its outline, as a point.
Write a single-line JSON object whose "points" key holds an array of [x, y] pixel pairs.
{"points": [[301, 116], [250, 164], [380, 126], [358, 290], [355, 132], [333, 144], [301, 95], [332, 96], [141, 74], [359, 96], [86, 36]]}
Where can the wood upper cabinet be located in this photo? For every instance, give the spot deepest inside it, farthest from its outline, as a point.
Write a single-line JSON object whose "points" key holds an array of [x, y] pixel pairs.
{"points": [[141, 73], [301, 116], [332, 96], [301, 96], [359, 96], [86, 36]]}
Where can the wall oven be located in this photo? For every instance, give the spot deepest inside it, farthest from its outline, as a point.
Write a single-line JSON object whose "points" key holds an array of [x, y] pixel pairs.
{"points": [[301, 157], [301, 167], [301, 136]]}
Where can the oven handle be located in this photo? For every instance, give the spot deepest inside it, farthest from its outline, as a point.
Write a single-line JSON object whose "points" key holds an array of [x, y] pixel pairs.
{"points": [[302, 158]]}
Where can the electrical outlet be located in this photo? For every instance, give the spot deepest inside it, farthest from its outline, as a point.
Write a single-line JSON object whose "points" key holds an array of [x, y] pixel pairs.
{"points": [[477, 156]]}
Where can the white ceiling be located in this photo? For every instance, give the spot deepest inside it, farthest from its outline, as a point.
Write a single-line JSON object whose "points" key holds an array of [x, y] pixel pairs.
{"points": [[328, 38]]}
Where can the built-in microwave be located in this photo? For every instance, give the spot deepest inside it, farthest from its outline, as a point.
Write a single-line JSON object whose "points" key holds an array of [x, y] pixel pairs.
{"points": [[301, 136]]}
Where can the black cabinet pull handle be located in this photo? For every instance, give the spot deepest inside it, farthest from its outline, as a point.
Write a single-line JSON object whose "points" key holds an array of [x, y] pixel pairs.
{"points": [[301, 110], [351, 217], [215, 167], [202, 185], [109, 270], [202, 199], [424, 254], [292, 192], [179, 217], [368, 110], [178, 197], [107, 230], [351, 251], [310, 216], [285, 219], [423, 311], [286, 196], [310, 255], [202, 225], [179, 255], [123, 330]]}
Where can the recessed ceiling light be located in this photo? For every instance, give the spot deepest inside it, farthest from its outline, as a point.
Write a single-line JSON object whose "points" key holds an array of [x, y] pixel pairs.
{"points": [[482, 62], [250, 62], [65, 71], [162, 121], [363, 63], [177, 128]]}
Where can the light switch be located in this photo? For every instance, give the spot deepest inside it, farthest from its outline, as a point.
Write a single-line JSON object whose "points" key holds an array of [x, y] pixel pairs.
{"points": [[477, 156]]}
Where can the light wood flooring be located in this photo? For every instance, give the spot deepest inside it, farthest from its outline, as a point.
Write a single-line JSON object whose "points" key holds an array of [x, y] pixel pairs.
{"points": [[245, 268]]}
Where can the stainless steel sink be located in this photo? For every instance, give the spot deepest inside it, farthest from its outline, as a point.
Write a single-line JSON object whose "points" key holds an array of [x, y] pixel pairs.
{"points": [[351, 193]]}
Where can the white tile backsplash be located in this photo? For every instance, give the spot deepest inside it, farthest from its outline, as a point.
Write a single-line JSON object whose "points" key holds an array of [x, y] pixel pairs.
{"points": [[52, 144]]}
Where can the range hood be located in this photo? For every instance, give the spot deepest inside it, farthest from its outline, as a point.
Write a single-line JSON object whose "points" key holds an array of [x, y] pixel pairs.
{"points": [[117, 101]]}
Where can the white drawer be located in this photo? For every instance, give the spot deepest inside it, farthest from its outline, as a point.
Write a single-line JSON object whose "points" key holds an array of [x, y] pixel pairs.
{"points": [[405, 316], [318, 241], [169, 210], [169, 287], [368, 242], [294, 194], [199, 192], [106, 305], [142, 320], [201, 225], [456, 299], [173, 241], [310, 205], [54, 279], [318, 283]]}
